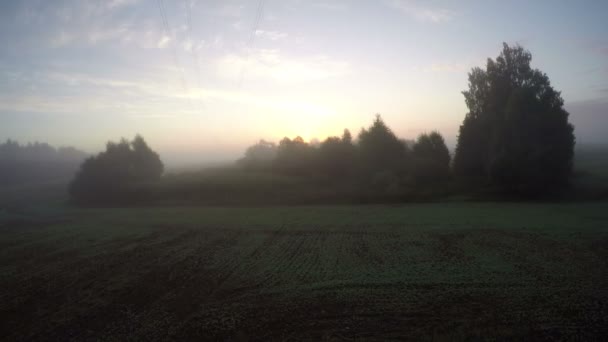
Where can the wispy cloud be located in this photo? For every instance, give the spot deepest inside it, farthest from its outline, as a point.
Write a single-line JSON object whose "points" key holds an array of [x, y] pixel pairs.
{"points": [[442, 67], [140, 99], [61, 38], [119, 3], [421, 12], [331, 5], [163, 42], [272, 65], [272, 35], [229, 11]]}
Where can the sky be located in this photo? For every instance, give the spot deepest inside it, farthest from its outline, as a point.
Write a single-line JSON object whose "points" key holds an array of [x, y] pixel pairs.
{"points": [[202, 80]]}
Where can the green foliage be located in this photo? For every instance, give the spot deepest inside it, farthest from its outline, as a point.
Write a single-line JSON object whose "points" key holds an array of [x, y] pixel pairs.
{"points": [[378, 167], [380, 150], [337, 156], [431, 159], [295, 157], [37, 163], [516, 135], [108, 176]]}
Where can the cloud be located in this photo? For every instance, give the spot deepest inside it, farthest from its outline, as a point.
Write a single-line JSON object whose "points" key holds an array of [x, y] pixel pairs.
{"points": [[272, 65], [62, 24], [272, 35], [62, 38], [421, 12], [188, 45], [442, 67], [109, 33], [331, 5], [163, 42], [229, 11], [84, 94], [120, 3]]}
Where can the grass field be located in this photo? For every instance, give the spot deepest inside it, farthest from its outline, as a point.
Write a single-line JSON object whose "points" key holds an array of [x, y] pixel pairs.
{"points": [[432, 271]]}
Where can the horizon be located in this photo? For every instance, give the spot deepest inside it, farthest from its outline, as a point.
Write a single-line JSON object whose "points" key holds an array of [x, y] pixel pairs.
{"points": [[203, 80]]}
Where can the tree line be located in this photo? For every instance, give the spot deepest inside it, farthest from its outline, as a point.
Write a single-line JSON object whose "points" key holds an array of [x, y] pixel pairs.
{"points": [[514, 140], [377, 161], [37, 162]]}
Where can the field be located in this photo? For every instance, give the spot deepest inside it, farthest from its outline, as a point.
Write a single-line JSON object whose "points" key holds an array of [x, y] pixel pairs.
{"points": [[419, 271]]}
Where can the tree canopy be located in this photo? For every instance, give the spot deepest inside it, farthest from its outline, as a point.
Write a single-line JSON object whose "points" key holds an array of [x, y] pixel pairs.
{"points": [[431, 158], [516, 135], [378, 162], [37, 162], [259, 155], [294, 156], [337, 156], [380, 150], [108, 174]]}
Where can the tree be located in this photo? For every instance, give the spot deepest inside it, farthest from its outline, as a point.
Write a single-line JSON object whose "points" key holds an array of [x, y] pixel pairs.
{"points": [[107, 175], [431, 159], [347, 138], [37, 162], [260, 155], [295, 156], [147, 164], [337, 156], [516, 136], [380, 149], [383, 160]]}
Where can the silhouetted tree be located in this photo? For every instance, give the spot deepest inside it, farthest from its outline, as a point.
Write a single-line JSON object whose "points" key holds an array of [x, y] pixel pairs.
{"points": [[37, 163], [380, 149], [106, 176], [147, 164], [337, 156], [383, 159], [347, 138], [295, 156], [431, 159], [516, 135], [259, 156]]}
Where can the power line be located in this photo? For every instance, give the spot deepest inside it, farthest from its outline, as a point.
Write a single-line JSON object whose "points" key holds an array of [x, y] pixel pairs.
{"points": [[193, 51], [167, 31], [258, 17]]}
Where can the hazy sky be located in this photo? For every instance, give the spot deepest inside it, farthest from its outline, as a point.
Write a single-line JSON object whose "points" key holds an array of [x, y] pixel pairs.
{"points": [[204, 79]]}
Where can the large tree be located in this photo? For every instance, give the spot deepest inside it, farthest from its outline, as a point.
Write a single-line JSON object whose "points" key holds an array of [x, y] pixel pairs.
{"points": [[383, 160], [516, 135], [380, 150], [106, 176]]}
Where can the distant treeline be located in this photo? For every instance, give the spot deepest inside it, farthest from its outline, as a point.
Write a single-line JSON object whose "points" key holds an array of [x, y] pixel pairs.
{"points": [[375, 166], [37, 162], [515, 141], [377, 162]]}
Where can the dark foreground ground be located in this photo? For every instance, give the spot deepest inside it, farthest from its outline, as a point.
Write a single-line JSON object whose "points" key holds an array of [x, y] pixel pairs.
{"points": [[425, 271]]}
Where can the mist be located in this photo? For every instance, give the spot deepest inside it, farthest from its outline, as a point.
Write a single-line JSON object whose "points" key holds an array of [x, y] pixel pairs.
{"points": [[303, 170], [590, 119]]}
